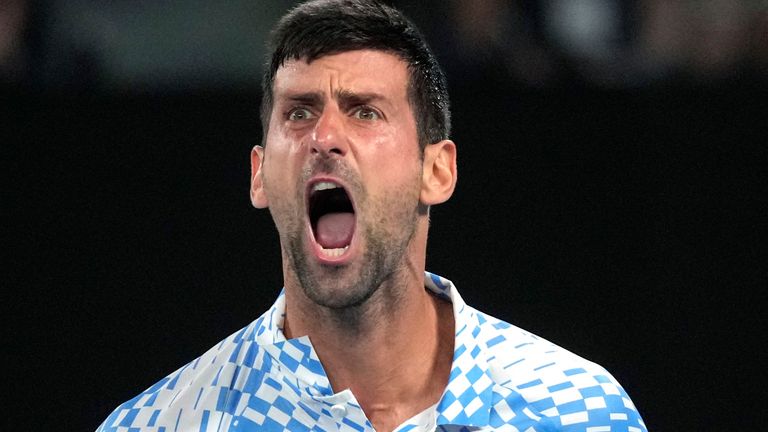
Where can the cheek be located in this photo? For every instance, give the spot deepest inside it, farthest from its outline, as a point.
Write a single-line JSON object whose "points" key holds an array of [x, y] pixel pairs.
{"points": [[278, 164], [398, 168], [389, 152], [279, 186], [395, 187]]}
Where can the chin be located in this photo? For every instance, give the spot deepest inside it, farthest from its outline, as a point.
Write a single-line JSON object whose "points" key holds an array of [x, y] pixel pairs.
{"points": [[337, 287]]}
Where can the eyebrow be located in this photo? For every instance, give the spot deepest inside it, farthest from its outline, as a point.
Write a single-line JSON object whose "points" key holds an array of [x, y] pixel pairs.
{"points": [[309, 98], [346, 98]]}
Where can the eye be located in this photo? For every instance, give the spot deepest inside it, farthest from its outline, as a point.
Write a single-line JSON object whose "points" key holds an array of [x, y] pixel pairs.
{"points": [[366, 113], [299, 114]]}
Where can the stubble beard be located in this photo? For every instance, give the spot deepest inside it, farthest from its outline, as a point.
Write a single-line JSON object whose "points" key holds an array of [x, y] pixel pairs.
{"points": [[346, 292], [373, 282]]}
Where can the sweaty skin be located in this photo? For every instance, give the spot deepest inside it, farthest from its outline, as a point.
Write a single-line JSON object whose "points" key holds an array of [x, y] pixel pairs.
{"points": [[346, 119]]}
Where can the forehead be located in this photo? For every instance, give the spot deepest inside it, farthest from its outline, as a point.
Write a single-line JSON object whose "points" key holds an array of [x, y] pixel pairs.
{"points": [[364, 71]]}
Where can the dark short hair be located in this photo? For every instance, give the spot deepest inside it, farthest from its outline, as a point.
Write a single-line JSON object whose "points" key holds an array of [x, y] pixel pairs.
{"points": [[324, 27]]}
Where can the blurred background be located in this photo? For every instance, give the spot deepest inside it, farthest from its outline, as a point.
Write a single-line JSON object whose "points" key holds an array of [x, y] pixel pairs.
{"points": [[612, 159]]}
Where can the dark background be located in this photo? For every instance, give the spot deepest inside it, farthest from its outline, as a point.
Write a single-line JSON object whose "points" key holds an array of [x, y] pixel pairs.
{"points": [[612, 201]]}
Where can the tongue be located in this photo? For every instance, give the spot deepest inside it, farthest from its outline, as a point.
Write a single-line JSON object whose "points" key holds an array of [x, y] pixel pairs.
{"points": [[334, 230]]}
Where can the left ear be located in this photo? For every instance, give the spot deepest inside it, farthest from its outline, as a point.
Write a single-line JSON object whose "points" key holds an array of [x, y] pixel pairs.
{"points": [[438, 179]]}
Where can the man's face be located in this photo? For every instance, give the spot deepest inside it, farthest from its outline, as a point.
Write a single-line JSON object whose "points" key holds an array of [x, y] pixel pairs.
{"points": [[342, 173]]}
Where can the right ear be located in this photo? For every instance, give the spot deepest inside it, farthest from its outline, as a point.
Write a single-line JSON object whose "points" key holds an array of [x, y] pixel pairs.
{"points": [[258, 197]]}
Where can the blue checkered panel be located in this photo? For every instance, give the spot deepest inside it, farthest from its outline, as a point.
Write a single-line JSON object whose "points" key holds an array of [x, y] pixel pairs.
{"points": [[502, 378]]}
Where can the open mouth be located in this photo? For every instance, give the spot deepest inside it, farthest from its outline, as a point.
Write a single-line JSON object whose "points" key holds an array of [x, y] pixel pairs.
{"points": [[332, 217]]}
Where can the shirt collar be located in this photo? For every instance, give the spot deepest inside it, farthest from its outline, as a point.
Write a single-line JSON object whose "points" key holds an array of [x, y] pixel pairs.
{"points": [[467, 398]]}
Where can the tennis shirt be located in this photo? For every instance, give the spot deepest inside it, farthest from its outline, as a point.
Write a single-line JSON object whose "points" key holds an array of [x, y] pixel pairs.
{"points": [[502, 378]]}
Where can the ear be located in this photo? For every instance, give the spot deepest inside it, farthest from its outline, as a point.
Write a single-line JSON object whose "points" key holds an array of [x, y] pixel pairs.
{"points": [[258, 197], [439, 174]]}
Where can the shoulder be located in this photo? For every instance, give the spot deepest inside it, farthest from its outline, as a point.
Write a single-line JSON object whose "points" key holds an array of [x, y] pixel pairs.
{"points": [[188, 386], [555, 383]]}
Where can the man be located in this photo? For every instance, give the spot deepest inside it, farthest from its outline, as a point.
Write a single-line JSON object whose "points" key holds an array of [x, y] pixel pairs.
{"points": [[355, 151]]}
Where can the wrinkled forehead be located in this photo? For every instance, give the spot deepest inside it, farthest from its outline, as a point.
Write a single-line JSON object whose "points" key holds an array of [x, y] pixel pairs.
{"points": [[359, 71]]}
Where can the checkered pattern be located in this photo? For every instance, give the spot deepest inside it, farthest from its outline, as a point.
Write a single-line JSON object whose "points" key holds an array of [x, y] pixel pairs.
{"points": [[502, 378]]}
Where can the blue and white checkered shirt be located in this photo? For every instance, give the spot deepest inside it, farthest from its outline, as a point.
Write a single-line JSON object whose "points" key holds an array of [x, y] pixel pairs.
{"points": [[502, 378]]}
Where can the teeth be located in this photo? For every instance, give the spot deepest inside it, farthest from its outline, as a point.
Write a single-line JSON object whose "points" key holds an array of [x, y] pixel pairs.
{"points": [[324, 185], [334, 253]]}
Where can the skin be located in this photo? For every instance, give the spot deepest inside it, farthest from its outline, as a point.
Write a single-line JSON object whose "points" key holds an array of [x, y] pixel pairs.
{"points": [[346, 118]]}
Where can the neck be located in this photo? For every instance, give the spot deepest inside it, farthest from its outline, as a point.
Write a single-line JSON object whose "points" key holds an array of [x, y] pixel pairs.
{"points": [[396, 359]]}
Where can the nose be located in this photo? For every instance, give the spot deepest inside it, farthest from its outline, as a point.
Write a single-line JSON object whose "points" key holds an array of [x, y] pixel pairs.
{"points": [[328, 135]]}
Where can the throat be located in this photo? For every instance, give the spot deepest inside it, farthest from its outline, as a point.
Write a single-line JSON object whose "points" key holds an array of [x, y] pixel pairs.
{"points": [[394, 377], [335, 230]]}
